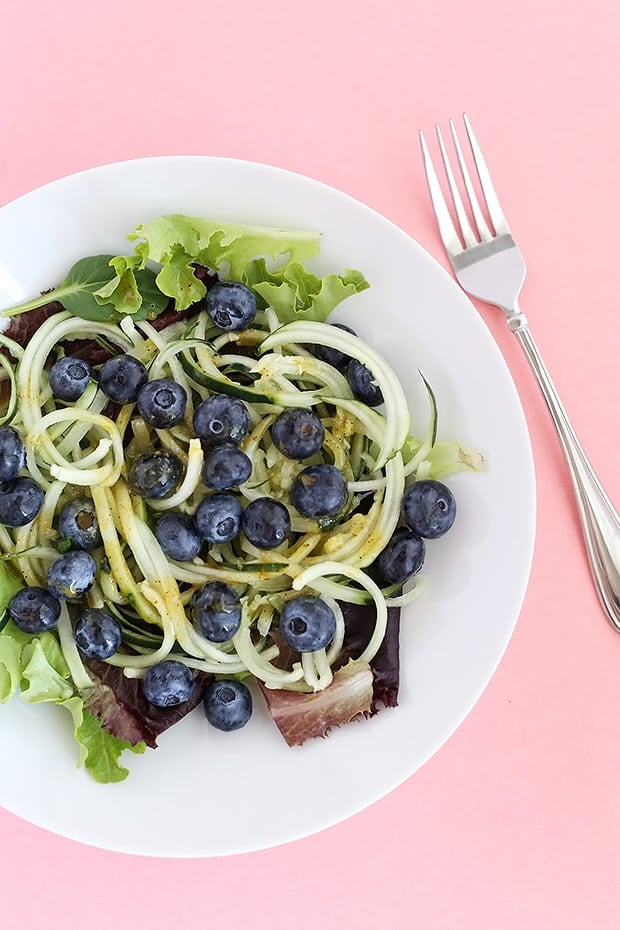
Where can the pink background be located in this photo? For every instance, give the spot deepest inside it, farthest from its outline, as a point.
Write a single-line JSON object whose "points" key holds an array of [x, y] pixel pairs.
{"points": [[516, 821]]}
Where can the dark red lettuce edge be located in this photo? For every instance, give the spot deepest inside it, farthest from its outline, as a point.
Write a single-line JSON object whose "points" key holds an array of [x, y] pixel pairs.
{"points": [[119, 703]]}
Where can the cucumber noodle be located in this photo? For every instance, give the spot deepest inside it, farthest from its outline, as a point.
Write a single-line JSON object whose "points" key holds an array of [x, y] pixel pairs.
{"points": [[76, 449]]}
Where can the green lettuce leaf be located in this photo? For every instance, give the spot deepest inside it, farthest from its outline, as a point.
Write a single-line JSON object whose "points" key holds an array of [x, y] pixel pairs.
{"points": [[10, 584], [178, 243], [75, 706], [99, 751], [45, 671], [295, 293], [103, 288], [214, 243], [10, 667], [166, 252], [36, 667], [131, 290], [33, 664], [177, 279], [446, 458]]}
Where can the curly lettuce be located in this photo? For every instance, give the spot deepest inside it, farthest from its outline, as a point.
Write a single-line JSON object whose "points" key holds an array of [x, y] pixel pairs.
{"points": [[178, 243], [34, 667]]}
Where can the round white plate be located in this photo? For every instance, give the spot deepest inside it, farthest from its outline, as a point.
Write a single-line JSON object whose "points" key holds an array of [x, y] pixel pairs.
{"points": [[205, 793]]}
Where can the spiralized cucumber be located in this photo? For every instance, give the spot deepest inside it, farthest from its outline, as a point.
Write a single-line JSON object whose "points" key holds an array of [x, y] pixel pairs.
{"points": [[83, 448]]}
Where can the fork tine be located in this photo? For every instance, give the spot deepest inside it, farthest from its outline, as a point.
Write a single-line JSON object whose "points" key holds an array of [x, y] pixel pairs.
{"points": [[493, 205], [466, 231], [481, 223], [447, 231]]}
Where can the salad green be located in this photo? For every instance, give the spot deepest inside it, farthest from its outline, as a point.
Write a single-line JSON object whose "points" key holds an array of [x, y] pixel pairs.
{"points": [[88, 447], [36, 668], [107, 287]]}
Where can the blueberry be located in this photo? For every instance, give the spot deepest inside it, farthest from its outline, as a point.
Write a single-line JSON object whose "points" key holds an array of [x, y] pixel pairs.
{"points": [[69, 377], [121, 377], [162, 403], [307, 623], [178, 536], [266, 523], [20, 501], [97, 634], [72, 574], [231, 305], [219, 419], [362, 385], [216, 611], [225, 467], [429, 508], [334, 356], [12, 453], [78, 521], [298, 433], [227, 704], [168, 683], [155, 474], [319, 491], [218, 517], [34, 610], [402, 557]]}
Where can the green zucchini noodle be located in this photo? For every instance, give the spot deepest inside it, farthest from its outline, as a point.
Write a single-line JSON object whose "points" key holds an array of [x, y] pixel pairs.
{"points": [[86, 449]]}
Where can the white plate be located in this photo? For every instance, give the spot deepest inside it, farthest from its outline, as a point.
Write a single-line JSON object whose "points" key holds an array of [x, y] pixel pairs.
{"points": [[204, 793]]}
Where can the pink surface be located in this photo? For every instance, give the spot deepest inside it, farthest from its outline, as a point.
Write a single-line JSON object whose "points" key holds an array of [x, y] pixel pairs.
{"points": [[515, 822]]}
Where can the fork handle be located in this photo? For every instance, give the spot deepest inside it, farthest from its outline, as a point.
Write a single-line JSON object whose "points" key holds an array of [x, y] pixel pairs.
{"points": [[599, 520]]}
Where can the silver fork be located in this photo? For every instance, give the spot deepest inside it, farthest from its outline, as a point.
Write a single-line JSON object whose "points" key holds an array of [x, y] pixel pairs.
{"points": [[489, 266]]}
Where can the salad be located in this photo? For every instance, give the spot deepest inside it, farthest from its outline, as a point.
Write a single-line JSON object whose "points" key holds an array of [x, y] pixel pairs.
{"points": [[208, 492]]}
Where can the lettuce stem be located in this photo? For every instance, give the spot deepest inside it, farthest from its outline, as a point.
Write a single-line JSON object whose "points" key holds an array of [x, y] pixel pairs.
{"points": [[47, 298]]}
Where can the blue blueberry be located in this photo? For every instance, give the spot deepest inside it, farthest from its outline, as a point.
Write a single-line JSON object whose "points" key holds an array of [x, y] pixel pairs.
{"points": [[20, 501], [168, 683], [402, 557], [12, 453], [34, 610], [69, 377], [319, 491], [227, 704], [220, 419], [78, 521], [178, 536], [266, 523], [334, 356], [429, 508], [362, 384], [155, 474], [298, 433], [97, 634], [225, 467], [121, 377], [307, 623], [72, 574], [231, 305], [215, 609], [162, 403], [218, 517]]}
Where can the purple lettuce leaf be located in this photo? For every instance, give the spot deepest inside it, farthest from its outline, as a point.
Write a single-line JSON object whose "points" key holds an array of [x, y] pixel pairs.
{"points": [[120, 705], [359, 620], [23, 327], [300, 716], [358, 690]]}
